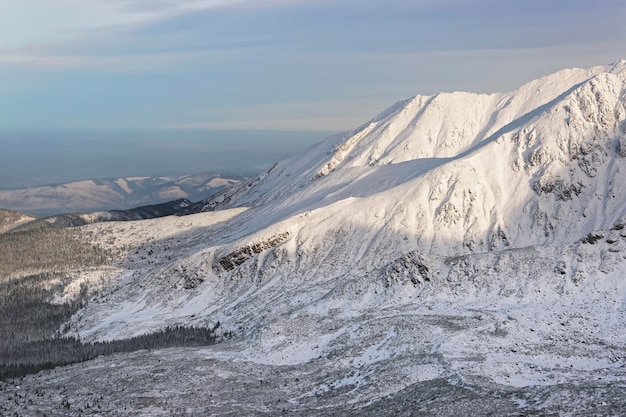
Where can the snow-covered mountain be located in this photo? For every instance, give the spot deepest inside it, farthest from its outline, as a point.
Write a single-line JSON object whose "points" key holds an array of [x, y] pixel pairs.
{"points": [[116, 193], [462, 246], [458, 172]]}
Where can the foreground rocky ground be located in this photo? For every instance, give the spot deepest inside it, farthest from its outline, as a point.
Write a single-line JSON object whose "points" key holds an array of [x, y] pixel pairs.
{"points": [[205, 381]]}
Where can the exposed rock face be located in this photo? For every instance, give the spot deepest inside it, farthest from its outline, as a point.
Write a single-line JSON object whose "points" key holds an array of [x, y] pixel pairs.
{"points": [[236, 258], [558, 188], [409, 267]]}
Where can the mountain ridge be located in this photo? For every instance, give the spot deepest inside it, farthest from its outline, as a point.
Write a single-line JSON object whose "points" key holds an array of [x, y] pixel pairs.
{"points": [[517, 129]]}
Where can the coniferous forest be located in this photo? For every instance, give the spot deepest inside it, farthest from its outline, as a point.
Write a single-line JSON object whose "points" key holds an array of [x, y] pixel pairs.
{"points": [[35, 268]]}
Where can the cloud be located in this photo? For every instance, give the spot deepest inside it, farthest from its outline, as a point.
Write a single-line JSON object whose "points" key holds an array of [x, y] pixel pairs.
{"points": [[113, 63], [25, 22], [178, 6], [67, 34], [279, 64]]}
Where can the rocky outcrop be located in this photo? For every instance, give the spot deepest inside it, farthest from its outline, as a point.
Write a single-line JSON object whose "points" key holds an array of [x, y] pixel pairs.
{"points": [[239, 256], [408, 267]]}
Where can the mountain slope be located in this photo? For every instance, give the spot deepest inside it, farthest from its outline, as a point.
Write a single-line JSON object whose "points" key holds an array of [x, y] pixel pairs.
{"points": [[12, 219], [543, 166], [418, 186]]}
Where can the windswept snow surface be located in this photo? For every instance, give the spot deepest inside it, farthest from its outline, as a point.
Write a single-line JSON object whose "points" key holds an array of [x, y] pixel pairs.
{"points": [[468, 238]]}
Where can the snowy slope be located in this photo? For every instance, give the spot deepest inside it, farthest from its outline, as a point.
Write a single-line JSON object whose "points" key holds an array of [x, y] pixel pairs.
{"points": [[479, 237]]}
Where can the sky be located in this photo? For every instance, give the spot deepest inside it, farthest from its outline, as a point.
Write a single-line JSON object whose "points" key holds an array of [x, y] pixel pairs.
{"points": [[200, 73]]}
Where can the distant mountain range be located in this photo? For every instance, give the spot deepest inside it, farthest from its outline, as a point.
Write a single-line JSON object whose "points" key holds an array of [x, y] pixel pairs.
{"points": [[112, 194]]}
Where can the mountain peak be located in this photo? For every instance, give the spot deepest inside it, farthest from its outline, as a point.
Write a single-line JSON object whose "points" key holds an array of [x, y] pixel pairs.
{"points": [[618, 67], [471, 164]]}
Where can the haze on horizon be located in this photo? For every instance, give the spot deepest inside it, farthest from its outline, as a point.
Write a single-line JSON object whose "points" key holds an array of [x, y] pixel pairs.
{"points": [[101, 88]]}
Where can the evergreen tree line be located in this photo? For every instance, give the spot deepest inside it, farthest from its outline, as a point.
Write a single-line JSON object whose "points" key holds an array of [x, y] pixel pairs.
{"points": [[30, 340], [47, 249], [32, 357], [26, 311]]}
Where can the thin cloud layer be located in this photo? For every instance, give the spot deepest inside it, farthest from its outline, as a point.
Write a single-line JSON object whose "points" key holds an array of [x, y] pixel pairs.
{"points": [[151, 63]]}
